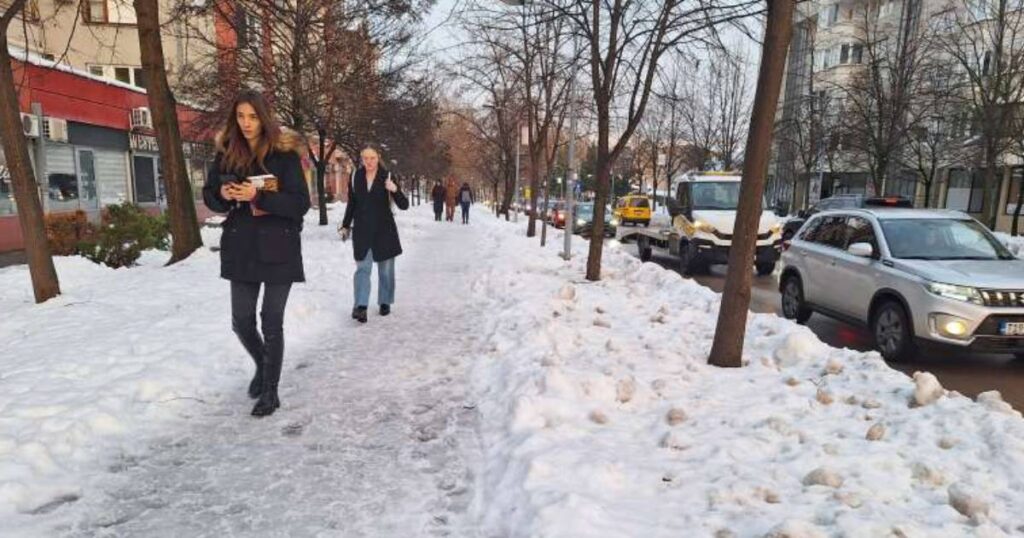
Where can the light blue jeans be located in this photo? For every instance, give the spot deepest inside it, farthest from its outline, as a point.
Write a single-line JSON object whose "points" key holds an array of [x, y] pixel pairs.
{"points": [[385, 277]]}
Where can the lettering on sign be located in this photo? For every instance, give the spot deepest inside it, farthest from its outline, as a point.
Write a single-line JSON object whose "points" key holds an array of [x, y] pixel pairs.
{"points": [[141, 142]]}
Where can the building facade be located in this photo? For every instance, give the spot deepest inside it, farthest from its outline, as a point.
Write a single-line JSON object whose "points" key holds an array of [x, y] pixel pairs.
{"points": [[812, 157]]}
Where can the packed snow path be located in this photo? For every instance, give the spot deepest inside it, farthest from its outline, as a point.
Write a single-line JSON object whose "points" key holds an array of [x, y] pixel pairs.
{"points": [[370, 439]]}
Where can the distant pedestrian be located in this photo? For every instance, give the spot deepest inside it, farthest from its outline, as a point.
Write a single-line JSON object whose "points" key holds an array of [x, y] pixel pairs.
{"points": [[438, 195], [260, 245], [369, 219], [451, 198], [465, 200]]}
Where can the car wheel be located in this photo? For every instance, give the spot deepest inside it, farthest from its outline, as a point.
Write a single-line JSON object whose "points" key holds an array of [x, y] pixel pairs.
{"points": [[892, 331], [690, 261], [647, 223], [765, 268], [793, 305], [643, 246]]}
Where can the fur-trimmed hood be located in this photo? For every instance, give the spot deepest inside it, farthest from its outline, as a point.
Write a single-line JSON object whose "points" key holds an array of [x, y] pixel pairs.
{"points": [[288, 141]]}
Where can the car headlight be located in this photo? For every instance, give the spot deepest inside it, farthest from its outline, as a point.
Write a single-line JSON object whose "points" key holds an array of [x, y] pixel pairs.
{"points": [[776, 228], [580, 222], [953, 291], [615, 222], [951, 326], [702, 226]]}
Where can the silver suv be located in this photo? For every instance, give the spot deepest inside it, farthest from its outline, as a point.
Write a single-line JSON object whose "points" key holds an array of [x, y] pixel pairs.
{"points": [[910, 276]]}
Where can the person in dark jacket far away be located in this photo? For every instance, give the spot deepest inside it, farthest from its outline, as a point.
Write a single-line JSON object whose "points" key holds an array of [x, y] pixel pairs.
{"points": [[465, 200], [437, 194], [256, 178], [369, 219]]}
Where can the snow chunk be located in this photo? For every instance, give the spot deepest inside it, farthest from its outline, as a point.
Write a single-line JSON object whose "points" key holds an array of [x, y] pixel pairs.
{"points": [[993, 400], [796, 529], [676, 416], [625, 390], [799, 347], [927, 388], [823, 476], [968, 501], [876, 432], [568, 293]]}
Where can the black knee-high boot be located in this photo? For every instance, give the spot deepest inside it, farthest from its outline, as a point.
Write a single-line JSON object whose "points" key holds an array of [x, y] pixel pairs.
{"points": [[252, 343], [269, 402]]}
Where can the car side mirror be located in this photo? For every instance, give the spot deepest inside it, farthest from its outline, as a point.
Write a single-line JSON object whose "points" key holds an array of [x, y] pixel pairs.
{"points": [[862, 250]]}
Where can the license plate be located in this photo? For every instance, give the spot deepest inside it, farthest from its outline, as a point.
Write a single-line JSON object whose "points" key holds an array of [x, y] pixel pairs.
{"points": [[1011, 329]]}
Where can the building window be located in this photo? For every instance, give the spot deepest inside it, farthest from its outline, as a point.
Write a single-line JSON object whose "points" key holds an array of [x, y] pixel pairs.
{"points": [[135, 76], [857, 54], [828, 16], [95, 11], [108, 11], [966, 190], [123, 74], [1012, 198], [844, 54]]}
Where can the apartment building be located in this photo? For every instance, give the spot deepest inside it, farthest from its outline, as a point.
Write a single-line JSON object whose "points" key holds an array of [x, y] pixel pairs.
{"points": [[810, 159]]}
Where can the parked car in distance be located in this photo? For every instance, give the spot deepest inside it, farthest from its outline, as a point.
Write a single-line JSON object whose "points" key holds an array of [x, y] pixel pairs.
{"points": [[634, 209], [584, 224], [911, 276], [841, 201]]}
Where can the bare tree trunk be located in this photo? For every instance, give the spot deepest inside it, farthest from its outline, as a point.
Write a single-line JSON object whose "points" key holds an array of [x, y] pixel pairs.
{"points": [[181, 209], [603, 174], [26, 192], [727, 350], [990, 189]]}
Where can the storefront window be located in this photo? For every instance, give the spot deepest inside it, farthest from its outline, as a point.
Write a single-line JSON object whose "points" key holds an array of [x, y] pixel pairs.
{"points": [[63, 192], [144, 179], [87, 179], [6, 188]]}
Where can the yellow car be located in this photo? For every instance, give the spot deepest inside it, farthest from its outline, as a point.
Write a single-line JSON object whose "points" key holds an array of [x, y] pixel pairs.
{"points": [[635, 209]]}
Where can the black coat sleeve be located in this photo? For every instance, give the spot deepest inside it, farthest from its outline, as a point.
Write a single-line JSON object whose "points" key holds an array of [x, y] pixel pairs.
{"points": [[350, 207], [400, 199], [211, 189], [292, 199]]}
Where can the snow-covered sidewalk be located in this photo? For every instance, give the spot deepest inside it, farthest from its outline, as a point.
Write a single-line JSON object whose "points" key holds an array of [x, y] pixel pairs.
{"points": [[372, 438]]}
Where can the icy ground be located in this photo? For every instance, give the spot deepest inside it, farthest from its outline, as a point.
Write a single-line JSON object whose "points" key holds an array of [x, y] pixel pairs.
{"points": [[372, 438]]}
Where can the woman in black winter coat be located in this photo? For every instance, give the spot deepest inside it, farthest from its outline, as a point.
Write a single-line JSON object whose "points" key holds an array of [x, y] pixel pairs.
{"points": [[260, 245], [369, 219]]}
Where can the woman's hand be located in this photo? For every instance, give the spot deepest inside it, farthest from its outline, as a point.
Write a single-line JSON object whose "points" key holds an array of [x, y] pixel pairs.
{"points": [[245, 192], [227, 191], [390, 186]]}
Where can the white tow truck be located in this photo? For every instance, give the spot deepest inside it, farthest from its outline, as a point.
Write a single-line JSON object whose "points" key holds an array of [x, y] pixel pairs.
{"points": [[703, 214]]}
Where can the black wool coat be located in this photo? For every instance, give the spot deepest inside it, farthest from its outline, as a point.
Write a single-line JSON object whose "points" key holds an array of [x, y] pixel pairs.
{"points": [[267, 248], [369, 216], [438, 194]]}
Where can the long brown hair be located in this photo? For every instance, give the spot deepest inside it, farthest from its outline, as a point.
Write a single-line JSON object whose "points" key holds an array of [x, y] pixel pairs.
{"points": [[238, 156]]}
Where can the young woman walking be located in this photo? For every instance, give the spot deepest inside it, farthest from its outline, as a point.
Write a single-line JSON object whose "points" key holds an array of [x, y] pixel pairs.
{"points": [[256, 178], [369, 218]]}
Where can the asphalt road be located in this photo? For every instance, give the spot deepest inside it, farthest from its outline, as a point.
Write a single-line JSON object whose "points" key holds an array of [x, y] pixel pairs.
{"points": [[968, 373]]}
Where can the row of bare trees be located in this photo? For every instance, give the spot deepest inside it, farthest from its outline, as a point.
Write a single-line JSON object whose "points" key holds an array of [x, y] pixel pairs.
{"points": [[330, 68], [647, 102]]}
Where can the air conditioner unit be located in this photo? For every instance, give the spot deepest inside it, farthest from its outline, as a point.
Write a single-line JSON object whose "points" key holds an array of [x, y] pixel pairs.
{"points": [[141, 118], [56, 129], [30, 125]]}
